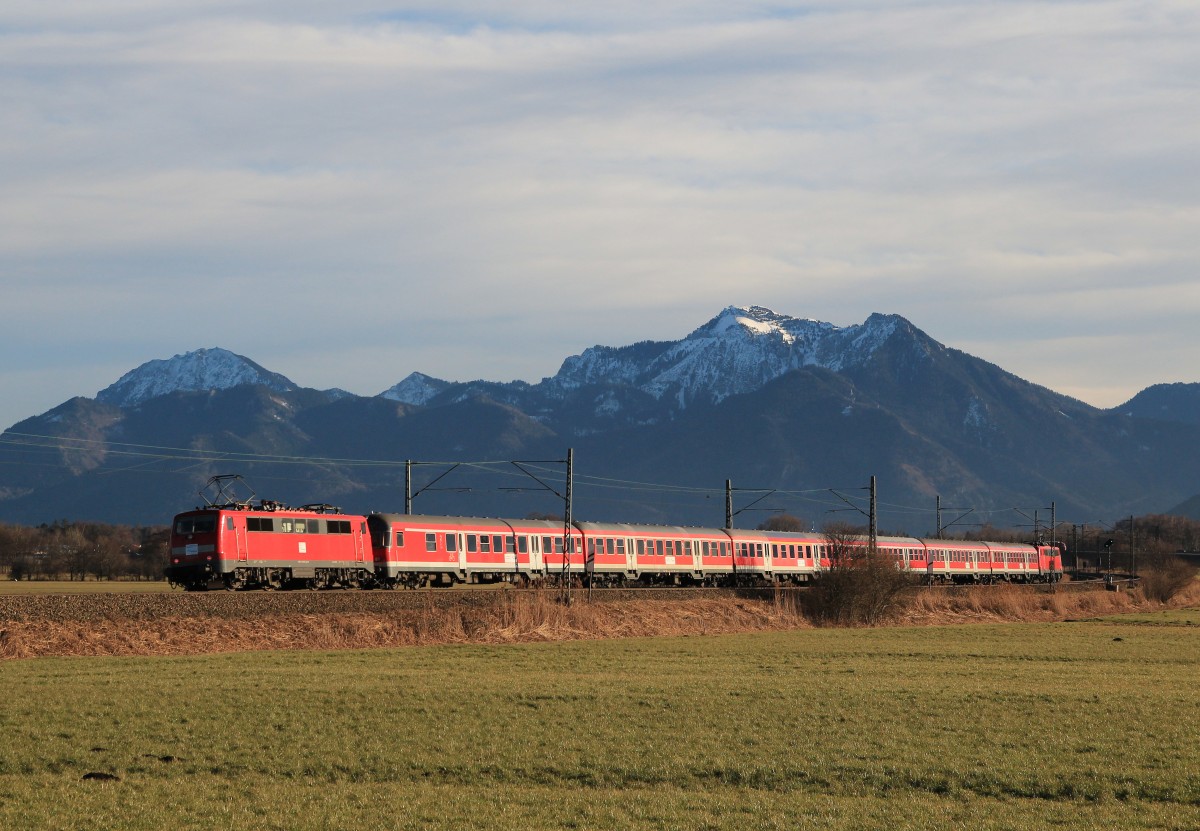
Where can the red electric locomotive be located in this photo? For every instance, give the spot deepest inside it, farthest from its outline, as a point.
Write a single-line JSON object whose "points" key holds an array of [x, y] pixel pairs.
{"points": [[267, 545]]}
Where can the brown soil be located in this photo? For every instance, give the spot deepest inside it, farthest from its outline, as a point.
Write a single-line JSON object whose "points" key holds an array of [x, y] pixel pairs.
{"points": [[189, 624]]}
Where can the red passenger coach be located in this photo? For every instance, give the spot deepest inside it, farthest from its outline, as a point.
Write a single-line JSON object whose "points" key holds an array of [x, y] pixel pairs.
{"points": [[415, 550], [269, 546]]}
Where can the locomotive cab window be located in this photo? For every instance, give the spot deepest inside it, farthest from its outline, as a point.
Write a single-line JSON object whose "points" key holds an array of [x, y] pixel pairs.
{"points": [[196, 525]]}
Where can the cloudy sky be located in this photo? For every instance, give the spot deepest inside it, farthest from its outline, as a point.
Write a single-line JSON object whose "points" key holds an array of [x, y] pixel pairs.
{"points": [[348, 192]]}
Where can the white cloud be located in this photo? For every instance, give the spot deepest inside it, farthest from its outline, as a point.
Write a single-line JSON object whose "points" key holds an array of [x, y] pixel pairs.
{"points": [[413, 183]]}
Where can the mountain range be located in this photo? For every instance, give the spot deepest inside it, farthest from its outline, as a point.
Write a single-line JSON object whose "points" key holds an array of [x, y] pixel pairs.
{"points": [[806, 409]]}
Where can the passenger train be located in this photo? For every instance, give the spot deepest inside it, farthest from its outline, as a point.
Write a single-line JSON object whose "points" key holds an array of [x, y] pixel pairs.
{"points": [[267, 545]]}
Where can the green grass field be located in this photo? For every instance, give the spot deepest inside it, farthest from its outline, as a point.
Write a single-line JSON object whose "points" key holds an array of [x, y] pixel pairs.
{"points": [[83, 586], [1078, 725]]}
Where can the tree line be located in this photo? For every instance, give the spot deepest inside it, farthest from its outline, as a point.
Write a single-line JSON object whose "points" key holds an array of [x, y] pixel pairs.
{"points": [[65, 550]]}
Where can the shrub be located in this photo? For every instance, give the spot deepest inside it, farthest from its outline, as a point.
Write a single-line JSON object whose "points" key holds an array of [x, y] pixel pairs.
{"points": [[863, 586], [1162, 579]]}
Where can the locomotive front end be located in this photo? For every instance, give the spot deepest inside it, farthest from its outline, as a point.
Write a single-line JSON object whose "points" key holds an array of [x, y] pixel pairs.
{"points": [[195, 550]]}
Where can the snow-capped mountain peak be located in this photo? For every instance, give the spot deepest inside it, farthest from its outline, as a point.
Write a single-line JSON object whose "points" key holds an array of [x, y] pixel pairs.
{"points": [[736, 352], [750, 321], [418, 388], [200, 370]]}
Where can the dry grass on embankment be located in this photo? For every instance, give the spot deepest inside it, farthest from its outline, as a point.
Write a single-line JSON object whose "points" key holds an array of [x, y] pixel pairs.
{"points": [[179, 624], [1010, 603]]}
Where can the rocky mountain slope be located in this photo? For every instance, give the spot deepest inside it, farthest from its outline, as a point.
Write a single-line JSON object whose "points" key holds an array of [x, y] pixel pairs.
{"points": [[767, 400]]}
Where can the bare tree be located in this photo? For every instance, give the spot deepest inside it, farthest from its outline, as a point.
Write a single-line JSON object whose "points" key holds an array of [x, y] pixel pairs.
{"points": [[782, 522], [862, 586]]}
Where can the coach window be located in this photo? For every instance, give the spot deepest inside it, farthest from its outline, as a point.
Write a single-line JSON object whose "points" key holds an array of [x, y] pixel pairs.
{"points": [[620, 548], [523, 545], [485, 544], [641, 548], [510, 544], [452, 542], [399, 539], [472, 543], [431, 542]]}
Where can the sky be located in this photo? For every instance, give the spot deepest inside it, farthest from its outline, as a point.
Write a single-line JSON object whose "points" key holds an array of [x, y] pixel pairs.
{"points": [[349, 192]]}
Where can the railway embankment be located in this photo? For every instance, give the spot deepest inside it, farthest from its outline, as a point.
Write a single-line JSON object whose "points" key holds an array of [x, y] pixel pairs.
{"points": [[180, 623]]}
